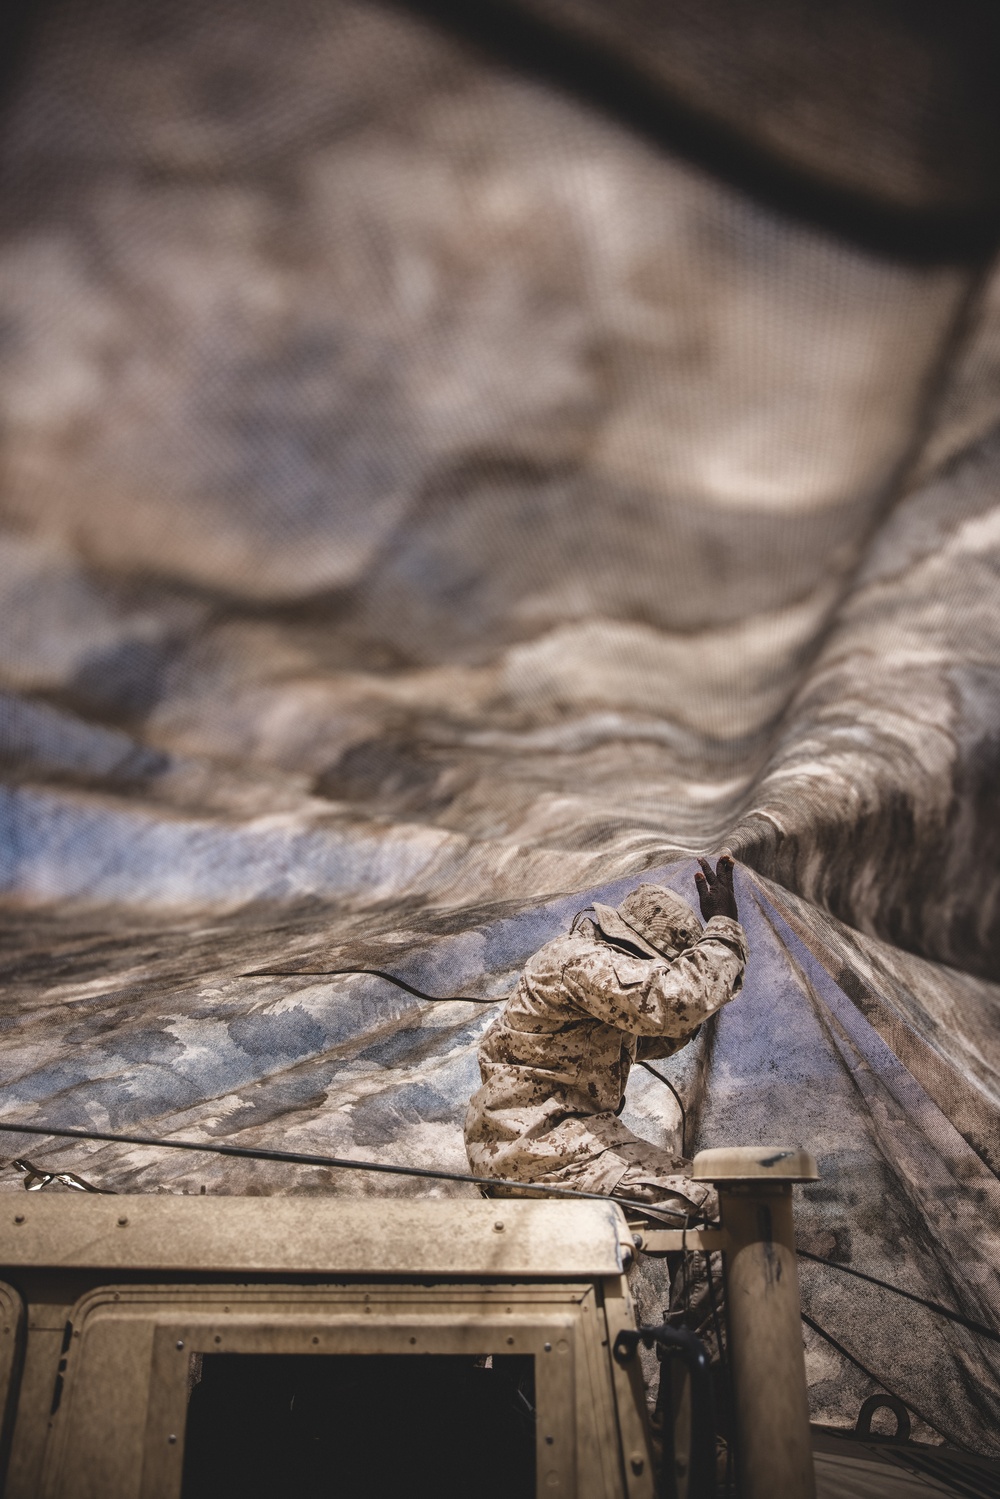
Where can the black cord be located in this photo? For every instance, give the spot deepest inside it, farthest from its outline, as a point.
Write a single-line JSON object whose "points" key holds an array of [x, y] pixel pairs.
{"points": [[829, 1338], [441, 999], [434, 999], [344, 1163], [932, 1306], [680, 1103]]}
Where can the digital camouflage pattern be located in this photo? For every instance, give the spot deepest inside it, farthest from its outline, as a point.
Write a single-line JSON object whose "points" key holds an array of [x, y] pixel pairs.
{"points": [[555, 1062], [429, 506]]}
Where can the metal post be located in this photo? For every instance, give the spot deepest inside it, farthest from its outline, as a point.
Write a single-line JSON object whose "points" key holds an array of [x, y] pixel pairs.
{"points": [[773, 1445]]}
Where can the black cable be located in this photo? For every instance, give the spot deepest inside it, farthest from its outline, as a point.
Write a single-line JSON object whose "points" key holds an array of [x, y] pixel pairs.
{"points": [[307, 973], [441, 999], [680, 1103], [932, 1306], [828, 1336], [345, 1163]]}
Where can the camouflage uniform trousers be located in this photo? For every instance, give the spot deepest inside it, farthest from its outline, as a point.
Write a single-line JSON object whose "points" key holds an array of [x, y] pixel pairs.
{"points": [[650, 1175], [692, 1297], [682, 1289], [696, 1288]]}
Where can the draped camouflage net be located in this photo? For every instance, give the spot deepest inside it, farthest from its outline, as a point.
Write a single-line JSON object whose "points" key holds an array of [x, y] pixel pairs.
{"points": [[440, 491]]}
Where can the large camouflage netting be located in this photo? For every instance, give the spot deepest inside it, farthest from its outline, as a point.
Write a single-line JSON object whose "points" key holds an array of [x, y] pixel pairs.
{"points": [[450, 474]]}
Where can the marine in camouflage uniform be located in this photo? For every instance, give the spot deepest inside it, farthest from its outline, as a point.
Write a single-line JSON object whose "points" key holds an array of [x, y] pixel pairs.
{"points": [[632, 984]]}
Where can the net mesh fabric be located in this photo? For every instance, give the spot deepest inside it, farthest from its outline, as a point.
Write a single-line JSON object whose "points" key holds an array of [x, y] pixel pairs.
{"points": [[450, 478]]}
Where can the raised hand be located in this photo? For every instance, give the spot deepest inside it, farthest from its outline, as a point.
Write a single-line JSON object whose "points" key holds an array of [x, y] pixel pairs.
{"points": [[715, 889]]}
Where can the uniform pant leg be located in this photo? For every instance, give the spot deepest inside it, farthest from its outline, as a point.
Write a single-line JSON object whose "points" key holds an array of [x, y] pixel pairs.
{"points": [[655, 1177], [696, 1285]]}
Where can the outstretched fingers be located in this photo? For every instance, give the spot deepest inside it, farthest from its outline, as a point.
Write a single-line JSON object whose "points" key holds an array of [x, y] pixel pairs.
{"points": [[715, 887]]}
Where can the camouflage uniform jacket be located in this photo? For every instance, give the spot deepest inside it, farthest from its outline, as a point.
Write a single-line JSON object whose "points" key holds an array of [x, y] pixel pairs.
{"points": [[555, 1062]]}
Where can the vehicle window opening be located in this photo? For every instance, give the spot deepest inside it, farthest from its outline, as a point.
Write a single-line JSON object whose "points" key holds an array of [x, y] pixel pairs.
{"points": [[290, 1426]]}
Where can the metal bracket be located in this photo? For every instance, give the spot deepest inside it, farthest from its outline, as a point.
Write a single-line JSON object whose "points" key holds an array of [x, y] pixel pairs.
{"points": [[677, 1240], [679, 1341], [35, 1178]]}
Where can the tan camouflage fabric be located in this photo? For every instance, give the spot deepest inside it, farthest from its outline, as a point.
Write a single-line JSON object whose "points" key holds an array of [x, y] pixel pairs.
{"points": [[555, 1062]]}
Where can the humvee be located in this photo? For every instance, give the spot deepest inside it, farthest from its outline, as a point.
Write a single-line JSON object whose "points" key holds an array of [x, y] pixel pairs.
{"points": [[171, 1347]]}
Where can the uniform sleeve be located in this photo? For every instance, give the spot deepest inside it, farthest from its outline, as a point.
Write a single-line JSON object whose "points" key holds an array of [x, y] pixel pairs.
{"points": [[668, 999]]}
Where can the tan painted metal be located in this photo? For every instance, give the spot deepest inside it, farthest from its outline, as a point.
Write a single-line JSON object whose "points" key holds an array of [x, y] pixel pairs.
{"points": [[12, 1332], [314, 1235], [774, 1447], [104, 1385], [110, 1296], [755, 1163], [137, 1342], [678, 1240]]}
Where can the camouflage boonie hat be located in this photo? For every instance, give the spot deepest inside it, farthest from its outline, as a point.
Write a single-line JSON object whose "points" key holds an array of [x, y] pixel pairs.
{"points": [[652, 918]]}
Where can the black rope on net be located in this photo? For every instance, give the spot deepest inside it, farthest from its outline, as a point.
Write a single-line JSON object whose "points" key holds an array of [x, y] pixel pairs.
{"points": [[969, 1323], [442, 999], [851, 1359], [677, 1099], [345, 1163], [311, 973]]}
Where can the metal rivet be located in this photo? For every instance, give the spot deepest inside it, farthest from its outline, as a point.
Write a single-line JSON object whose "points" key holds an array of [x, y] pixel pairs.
{"points": [[217, 1338], [413, 1340], [548, 1347], [510, 1340], [180, 1343], [315, 1340], [18, 1217], [498, 1227], [171, 1438], [637, 1463], [122, 1222], [549, 1441]]}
